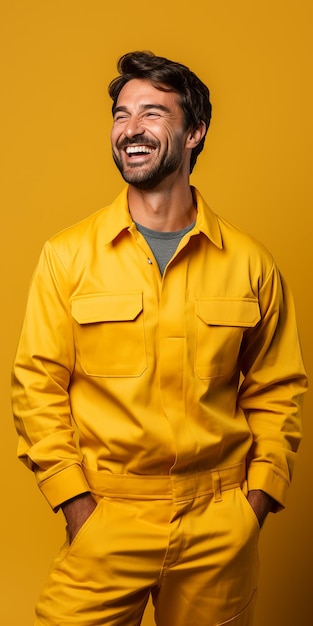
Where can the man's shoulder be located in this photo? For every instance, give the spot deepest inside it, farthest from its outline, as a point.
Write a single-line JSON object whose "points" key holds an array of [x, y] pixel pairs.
{"points": [[79, 229], [96, 225], [233, 234], [234, 238]]}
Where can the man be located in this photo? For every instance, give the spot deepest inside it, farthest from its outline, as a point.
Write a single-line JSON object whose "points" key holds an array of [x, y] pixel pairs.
{"points": [[158, 381]]}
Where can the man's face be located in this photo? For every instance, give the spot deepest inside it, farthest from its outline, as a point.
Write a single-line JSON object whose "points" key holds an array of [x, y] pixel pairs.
{"points": [[148, 135]]}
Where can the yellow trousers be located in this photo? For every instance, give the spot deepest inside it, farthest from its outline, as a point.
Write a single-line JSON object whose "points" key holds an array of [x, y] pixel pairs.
{"points": [[191, 542]]}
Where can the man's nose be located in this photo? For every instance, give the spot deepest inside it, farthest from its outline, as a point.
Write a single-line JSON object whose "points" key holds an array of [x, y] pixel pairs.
{"points": [[134, 127]]}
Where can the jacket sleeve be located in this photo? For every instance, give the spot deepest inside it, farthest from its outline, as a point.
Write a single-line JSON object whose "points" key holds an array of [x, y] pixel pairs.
{"points": [[40, 380], [272, 390]]}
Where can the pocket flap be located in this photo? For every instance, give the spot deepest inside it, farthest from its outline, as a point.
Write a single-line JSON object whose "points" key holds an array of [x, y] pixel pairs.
{"points": [[229, 311], [107, 307]]}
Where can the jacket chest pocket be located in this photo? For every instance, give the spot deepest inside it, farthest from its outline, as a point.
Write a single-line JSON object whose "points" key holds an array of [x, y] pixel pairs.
{"points": [[220, 324], [110, 334]]}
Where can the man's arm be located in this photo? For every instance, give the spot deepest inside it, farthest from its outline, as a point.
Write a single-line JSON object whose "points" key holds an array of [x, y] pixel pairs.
{"points": [[40, 380], [271, 395]]}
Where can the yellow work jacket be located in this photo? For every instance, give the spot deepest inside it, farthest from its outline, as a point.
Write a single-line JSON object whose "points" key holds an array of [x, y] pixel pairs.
{"points": [[120, 370]]}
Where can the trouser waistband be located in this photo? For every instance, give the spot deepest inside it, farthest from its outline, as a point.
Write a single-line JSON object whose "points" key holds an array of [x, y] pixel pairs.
{"points": [[166, 487]]}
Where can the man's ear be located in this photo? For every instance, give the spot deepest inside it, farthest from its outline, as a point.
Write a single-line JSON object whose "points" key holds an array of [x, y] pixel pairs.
{"points": [[195, 135]]}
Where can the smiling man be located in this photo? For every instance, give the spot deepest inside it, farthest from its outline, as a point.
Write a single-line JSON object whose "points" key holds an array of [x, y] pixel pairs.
{"points": [[158, 381], [149, 136]]}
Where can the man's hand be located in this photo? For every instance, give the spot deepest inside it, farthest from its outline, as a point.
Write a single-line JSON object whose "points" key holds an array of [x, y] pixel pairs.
{"points": [[261, 503], [77, 511]]}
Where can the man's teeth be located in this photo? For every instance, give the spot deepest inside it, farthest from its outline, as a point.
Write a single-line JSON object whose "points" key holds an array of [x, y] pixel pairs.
{"points": [[138, 150]]}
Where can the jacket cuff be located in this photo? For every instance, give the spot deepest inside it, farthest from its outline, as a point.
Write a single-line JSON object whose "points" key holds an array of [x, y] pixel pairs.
{"points": [[64, 485]]}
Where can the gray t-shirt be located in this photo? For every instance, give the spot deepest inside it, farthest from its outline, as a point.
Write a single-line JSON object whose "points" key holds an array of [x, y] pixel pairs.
{"points": [[163, 244]]}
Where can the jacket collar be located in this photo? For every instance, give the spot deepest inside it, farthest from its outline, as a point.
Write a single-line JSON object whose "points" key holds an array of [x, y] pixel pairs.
{"points": [[119, 219], [207, 222]]}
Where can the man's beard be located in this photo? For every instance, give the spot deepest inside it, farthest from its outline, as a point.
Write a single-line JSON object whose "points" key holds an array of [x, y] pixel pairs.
{"points": [[152, 177]]}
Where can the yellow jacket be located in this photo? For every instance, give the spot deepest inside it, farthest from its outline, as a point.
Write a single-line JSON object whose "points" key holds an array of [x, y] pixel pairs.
{"points": [[196, 370]]}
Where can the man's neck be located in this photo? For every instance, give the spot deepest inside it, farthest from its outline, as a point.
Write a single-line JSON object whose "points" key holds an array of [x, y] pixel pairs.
{"points": [[164, 208]]}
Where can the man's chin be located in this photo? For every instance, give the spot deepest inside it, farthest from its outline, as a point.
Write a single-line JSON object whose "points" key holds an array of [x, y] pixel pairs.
{"points": [[141, 180], [142, 185]]}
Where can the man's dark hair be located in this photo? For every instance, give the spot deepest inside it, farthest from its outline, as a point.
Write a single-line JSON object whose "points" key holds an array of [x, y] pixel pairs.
{"points": [[167, 75]]}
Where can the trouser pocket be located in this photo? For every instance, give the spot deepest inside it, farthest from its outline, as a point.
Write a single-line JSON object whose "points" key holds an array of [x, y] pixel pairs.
{"points": [[212, 577], [103, 576]]}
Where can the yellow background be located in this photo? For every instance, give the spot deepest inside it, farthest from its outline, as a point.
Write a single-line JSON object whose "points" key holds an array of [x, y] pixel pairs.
{"points": [[57, 59]]}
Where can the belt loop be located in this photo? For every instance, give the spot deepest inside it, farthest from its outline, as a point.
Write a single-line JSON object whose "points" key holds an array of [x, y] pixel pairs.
{"points": [[216, 479]]}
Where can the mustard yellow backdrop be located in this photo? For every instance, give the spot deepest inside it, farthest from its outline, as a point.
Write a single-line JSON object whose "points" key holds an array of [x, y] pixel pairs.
{"points": [[57, 58]]}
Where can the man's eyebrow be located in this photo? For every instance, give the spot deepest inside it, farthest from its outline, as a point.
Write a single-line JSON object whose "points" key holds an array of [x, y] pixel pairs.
{"points": [[143, 107]]}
